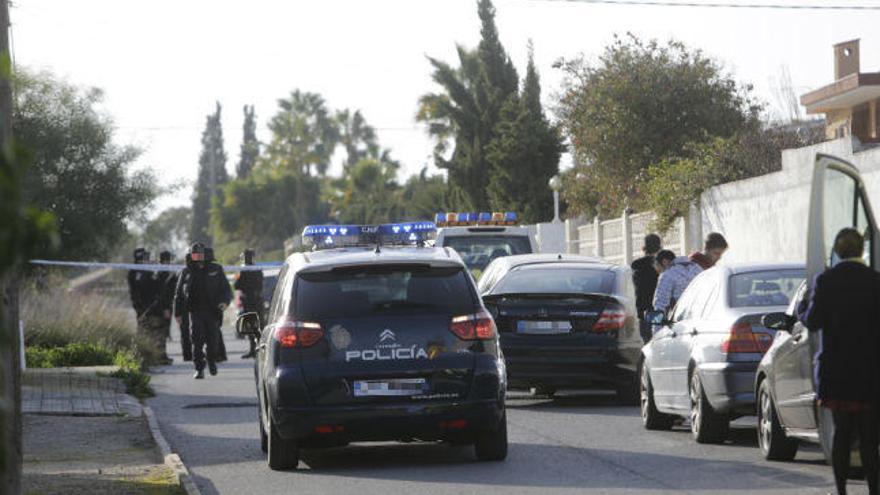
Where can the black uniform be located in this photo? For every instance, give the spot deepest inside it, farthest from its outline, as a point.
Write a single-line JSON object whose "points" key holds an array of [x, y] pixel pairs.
{"points": [[179, 312], [200, 292], [250, 286], [645, 280], [146, 289]]}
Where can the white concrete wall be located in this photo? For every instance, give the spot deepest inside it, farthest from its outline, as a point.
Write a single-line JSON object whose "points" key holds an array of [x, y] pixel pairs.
{"points": [[765, 218]]}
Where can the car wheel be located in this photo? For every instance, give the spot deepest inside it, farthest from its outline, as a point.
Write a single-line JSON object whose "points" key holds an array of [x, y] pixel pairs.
{"points": [[282, 454], [652, 419], [707, 426], [264, 439], [771, 437], [491, 445]]}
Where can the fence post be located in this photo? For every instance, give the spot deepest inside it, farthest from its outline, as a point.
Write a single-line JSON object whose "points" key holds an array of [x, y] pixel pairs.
{"points": [[626, 232], [599, 236], [572, 236], [684, 231]]}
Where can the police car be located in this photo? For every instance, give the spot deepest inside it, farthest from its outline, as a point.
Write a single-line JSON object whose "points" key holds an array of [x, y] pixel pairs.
{"points": [[374, 337], [482, 237]]}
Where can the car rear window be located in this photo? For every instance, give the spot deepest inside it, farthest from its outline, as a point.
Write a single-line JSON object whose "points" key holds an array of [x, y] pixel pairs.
{"points": [[563, 280], [764, 288], [478, 251], [373, 290]]}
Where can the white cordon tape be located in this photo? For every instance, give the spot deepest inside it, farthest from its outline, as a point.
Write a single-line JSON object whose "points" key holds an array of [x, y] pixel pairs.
{"points": [[150, 268]]}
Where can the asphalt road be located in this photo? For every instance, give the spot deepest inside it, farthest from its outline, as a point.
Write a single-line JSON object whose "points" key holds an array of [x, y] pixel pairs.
{"points": [[573, 444]]}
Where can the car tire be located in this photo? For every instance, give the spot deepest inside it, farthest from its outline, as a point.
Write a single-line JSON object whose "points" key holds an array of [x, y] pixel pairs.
{"points": [[282, 453], [774, 445], [707, 426], [264, 438], [491, 445], [652, 419]]}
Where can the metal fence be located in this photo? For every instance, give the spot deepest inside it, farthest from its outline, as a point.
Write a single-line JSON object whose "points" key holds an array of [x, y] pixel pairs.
{"points": [[620, 240]]}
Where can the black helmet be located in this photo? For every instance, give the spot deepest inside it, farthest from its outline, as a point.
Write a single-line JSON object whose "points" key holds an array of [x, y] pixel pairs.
{"points": [[247, 256], [209, 254], [165, 257], [139, 254]]}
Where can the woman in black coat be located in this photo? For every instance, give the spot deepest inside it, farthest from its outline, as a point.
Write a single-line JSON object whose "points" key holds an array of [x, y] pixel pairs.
{"points": [[845, 305]]}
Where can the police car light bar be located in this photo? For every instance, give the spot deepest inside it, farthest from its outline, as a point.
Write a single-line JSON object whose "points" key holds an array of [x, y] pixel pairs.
{"points": [[451, 219], [334, 236]]}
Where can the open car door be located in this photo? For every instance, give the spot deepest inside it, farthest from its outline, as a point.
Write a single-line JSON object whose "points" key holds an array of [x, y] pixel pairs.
{"points": [[838, 199]]}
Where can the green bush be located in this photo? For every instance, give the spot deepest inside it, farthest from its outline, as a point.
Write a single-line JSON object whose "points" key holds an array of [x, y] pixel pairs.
{"points": [[55, 317], [137, 383]]}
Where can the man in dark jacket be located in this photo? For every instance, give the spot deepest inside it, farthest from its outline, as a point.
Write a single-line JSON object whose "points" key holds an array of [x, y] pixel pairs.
{"points": [[249, 286], [146, 290], [845, 306], [204, 293], [180, 312], [645, 280]]}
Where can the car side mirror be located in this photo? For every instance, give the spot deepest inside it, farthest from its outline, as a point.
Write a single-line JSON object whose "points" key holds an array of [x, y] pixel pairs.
{"points": [[248, 324], [656, 318], [777, 321]]}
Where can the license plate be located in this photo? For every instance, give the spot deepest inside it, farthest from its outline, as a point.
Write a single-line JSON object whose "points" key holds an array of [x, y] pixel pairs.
{"points": [[400, 387], [543, 327]]}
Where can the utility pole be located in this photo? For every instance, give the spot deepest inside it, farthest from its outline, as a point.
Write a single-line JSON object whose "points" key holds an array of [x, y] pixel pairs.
{"points": [[10, 376]]}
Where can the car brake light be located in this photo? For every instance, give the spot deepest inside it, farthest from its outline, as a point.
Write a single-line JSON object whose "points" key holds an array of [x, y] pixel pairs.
{"points": [[292, 334], [742, 339], [611, 319], [478, 326]]}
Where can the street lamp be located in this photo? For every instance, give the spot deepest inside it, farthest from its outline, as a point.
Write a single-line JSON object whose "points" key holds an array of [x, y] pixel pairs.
{"points": [[555, 184]]}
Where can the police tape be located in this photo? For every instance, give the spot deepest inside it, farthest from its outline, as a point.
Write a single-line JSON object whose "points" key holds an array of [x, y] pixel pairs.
{"points": [[151, 268]]}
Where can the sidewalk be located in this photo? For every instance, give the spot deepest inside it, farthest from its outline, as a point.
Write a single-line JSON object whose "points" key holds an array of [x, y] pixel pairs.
{"points": [[84, 435]]}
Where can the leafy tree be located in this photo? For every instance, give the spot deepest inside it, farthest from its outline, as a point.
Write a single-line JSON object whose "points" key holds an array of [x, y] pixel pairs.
{"points": [[250, 147], [674, 184], [524, 154], [369, 194], [423, 196], [641, 104], [78, 174], [267, 207], [357, 137], [304, 135], [468, 109], [212, 176], [169, 231]]}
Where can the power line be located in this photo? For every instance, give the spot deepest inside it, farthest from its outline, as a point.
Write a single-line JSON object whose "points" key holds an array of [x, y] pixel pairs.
{"points": [[726, 5]]}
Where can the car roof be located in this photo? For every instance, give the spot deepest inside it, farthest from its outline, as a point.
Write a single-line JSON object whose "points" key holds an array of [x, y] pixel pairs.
{"points": [[352, 256], [518, 260], [735, 268]]}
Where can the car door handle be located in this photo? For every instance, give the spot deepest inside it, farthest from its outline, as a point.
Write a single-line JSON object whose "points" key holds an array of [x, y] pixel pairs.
{"points": [[673, 334], [694, 332], [797, 338]]}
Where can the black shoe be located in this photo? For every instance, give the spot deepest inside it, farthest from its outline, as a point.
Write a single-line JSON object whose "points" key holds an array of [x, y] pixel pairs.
{"points": [[212, 368], [249, 355], [200, 375]]}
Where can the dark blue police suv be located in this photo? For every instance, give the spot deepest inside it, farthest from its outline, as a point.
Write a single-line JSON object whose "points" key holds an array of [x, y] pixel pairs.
{"points": [[372, 337]]}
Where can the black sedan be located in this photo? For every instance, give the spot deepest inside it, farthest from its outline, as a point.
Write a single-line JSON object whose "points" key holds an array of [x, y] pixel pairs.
{"points": [[566, 322]]}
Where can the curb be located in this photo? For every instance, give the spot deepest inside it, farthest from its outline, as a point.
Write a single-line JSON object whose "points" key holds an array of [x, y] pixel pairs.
{"points": [[172, 460]]}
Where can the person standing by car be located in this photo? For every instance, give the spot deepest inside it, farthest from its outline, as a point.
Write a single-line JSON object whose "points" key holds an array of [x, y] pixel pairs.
{"points": [[645, 281], [676, 279], [204, 293], [249, 286], [845, 305], [662, 262]]}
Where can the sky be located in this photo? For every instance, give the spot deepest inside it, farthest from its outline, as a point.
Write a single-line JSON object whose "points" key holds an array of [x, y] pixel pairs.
{"points": [[164, 63]]}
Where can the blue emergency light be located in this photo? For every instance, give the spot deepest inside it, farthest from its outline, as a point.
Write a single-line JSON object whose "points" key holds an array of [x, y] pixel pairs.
{"points": [[451, 219], [334, 236]]}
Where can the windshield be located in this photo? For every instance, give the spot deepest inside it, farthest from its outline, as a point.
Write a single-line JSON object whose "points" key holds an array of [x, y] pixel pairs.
{"points": [[764, 288], [366, 291], [564, 280], [478, 251]]}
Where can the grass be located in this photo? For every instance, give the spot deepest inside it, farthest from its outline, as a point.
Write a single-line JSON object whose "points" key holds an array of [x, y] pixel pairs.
{"points": [[69, 328]]}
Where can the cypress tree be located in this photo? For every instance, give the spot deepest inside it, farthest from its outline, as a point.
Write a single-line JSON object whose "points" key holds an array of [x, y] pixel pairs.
{"points": [[212, 175], [250, 147]]}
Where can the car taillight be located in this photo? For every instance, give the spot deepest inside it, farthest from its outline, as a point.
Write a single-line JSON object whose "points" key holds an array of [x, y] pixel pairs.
{"points": [[742, 339], [292, 334], [478, 326], [611, 319]]}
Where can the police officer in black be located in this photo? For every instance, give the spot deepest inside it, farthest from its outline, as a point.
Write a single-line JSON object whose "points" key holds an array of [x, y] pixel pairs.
{"points": [[180, 312], [204, 293], [146, 289], [249, 285], [168, 283]]}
